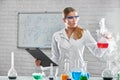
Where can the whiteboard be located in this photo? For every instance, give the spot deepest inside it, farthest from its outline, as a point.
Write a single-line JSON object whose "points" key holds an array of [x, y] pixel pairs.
{"points": [[36, 29]]}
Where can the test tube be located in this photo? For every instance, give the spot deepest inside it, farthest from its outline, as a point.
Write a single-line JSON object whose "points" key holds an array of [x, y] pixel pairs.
{"points": [[51, 72], [51, 69]]}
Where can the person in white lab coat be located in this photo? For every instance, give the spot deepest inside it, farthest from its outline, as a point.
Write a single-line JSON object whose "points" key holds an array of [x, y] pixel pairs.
{"points": [[69, 43]]}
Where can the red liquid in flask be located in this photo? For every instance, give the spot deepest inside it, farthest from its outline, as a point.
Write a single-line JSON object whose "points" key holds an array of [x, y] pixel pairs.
{"points": [[102, 45]]}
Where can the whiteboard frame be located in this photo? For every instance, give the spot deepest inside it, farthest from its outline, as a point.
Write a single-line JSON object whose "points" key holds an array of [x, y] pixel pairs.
{"points": [[19, 26]]}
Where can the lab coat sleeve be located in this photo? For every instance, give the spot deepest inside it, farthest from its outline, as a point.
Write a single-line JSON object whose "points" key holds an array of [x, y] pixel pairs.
{"points": [[55, 50], [92, 45]]}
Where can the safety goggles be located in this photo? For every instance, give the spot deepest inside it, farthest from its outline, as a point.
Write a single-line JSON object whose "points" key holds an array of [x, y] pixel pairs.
{"points": [[72, 17]]}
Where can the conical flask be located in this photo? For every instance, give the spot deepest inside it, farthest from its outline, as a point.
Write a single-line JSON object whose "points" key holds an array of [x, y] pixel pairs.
{"points": [[65, 75], [84, 75], [12, 74], [76, 72]]}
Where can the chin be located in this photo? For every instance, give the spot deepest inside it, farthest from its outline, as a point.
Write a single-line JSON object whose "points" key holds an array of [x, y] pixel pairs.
{"points": [[72, 27]]}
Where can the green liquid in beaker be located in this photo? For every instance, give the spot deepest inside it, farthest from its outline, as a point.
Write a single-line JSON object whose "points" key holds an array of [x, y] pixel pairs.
{"points": [[83, 78]]}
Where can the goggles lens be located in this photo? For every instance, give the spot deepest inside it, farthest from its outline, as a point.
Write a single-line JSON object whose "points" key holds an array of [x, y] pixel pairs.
{"points": [[71, 17]]}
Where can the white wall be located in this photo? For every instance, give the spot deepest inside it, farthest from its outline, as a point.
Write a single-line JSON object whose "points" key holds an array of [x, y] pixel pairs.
{"points": [[90, 13]]}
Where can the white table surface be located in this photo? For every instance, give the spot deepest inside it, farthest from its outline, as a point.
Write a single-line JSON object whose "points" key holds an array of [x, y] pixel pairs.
{"points": [[31, 78]]}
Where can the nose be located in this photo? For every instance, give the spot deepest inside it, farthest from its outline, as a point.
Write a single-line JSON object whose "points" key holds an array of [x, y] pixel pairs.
{"points": [[74, 19]]}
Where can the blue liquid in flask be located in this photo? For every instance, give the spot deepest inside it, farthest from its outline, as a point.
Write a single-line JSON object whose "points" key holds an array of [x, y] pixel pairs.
{"points": [[76, 75]]}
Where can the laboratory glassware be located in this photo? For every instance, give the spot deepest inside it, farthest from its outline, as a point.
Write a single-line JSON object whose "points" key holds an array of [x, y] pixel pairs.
{"points": [[117, 76], [12, 73], [65, 75], [102, 33], [107, 73], [76, 72], [84, 75], [51, 77], [38, 74]]}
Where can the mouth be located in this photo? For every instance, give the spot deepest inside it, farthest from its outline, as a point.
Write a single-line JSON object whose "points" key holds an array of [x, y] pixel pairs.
{"points": [[75, 24]]}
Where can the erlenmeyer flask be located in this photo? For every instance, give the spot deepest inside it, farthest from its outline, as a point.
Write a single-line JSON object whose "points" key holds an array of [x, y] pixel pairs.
{"points": [[84, 75], [107, 73], [76, 72], [12, 74], [65, 75]]}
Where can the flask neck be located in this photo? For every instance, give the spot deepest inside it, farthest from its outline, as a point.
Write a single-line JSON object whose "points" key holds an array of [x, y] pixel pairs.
{"points": [[84, 67], [77, 64], [51, 69], [108, 64], [12, 60], [67, 67]]}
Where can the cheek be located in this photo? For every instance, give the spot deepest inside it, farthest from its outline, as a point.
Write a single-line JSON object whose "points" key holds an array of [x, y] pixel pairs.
{"points": [[66, 21], [69, 23]]}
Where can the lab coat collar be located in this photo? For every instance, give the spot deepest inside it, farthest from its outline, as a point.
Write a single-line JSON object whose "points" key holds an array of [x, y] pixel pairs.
{"points": [[63, 33]]}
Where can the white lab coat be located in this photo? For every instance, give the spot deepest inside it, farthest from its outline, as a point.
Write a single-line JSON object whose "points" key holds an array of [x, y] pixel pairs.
{"points": [[69, 48]]}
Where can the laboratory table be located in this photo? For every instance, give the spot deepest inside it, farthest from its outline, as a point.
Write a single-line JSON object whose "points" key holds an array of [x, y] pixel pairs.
{"points": [[31, 78]]}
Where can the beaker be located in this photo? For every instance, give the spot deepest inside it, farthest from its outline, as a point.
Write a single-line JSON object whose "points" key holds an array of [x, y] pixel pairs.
{"points": [[84, 75], [107, 73], [12, 73]]}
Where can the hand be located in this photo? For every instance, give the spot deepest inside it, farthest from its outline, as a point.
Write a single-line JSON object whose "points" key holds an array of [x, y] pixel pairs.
{"points": [[107, 36], [37, 62]]}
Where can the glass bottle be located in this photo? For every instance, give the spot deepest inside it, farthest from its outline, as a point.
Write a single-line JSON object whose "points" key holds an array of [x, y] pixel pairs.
{"points": [[65, 75], [107, 73], [84, 75], [12, 73]]}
